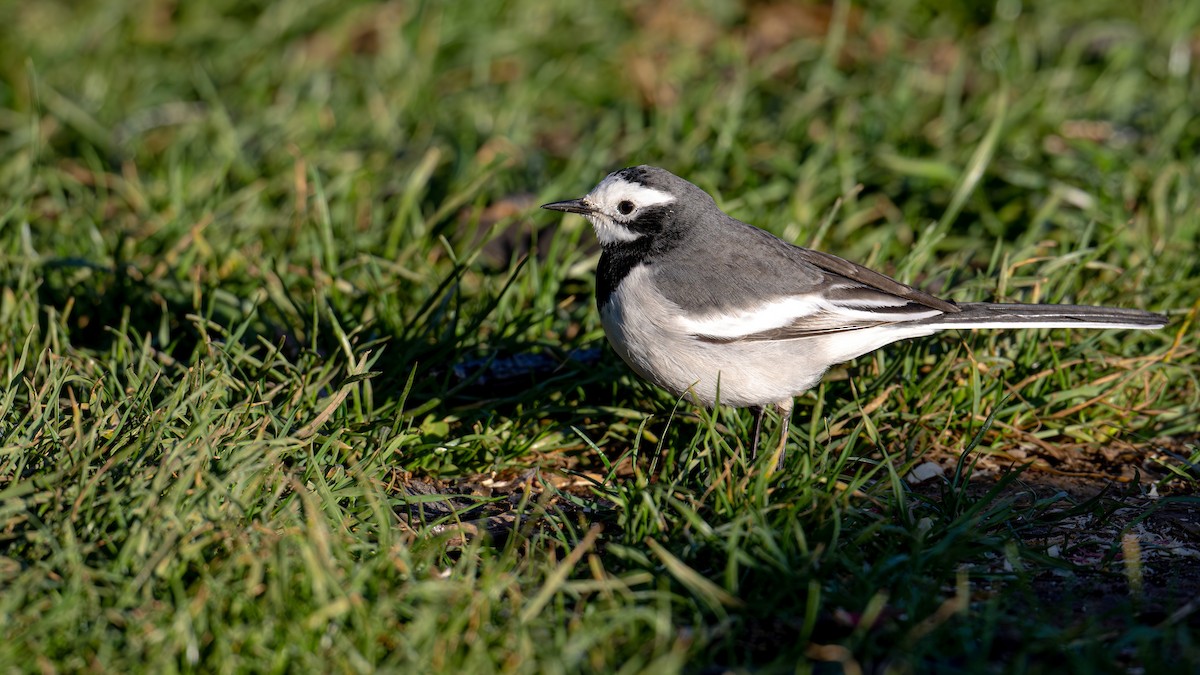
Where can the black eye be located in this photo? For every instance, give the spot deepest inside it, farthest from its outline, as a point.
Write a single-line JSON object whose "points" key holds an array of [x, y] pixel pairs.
{"points": [[625, 207]]}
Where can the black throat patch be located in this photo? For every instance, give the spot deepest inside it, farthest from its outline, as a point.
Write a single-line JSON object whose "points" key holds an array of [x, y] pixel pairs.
{"points": [[657, 237], [616, 262]]}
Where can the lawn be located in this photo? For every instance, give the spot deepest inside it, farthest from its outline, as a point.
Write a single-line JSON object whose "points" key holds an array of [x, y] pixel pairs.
{"points": [[299, 378]]}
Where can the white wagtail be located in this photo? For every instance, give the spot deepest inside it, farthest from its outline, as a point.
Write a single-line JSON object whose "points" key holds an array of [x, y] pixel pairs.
{"points": [[701, 303]]}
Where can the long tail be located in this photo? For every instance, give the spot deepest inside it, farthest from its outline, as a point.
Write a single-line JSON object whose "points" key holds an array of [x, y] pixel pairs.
{"points": [[988, 315]]}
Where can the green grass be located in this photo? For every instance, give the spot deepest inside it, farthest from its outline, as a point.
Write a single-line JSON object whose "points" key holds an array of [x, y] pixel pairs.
{"points": [[259, 260]]}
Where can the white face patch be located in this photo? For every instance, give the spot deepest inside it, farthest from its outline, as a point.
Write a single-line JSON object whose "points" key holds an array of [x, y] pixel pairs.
{"points": [[616, 202], [609, 231], [613, 190]]}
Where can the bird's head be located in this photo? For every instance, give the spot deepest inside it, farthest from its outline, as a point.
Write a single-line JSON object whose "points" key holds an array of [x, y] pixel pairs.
{"points": [[638, 202]]}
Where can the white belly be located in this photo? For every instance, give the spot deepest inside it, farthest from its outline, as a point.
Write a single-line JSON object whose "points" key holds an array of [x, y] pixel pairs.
{"points": [[642, 327]]}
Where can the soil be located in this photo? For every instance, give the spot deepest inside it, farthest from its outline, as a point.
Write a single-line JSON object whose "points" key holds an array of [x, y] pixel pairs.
{"points": [[1125, 526]]}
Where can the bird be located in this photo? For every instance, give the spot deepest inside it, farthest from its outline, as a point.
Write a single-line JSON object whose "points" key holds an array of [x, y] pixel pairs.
{"points": [[720, 311]]}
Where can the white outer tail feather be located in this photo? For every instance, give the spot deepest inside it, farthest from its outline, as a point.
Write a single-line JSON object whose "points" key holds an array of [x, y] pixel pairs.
{"points": [[1064, 323], [988, 315]]}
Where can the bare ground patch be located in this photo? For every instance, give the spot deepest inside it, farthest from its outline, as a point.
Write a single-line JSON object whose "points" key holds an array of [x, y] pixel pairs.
{"points": [[1115, 527]]}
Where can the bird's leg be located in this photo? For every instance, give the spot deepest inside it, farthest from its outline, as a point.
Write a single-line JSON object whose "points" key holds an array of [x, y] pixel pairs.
{"points": [[785, 413], [759, 413]]}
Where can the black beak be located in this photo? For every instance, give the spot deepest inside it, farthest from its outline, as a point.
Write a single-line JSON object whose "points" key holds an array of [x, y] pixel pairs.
{"points": [[570, 206]]}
